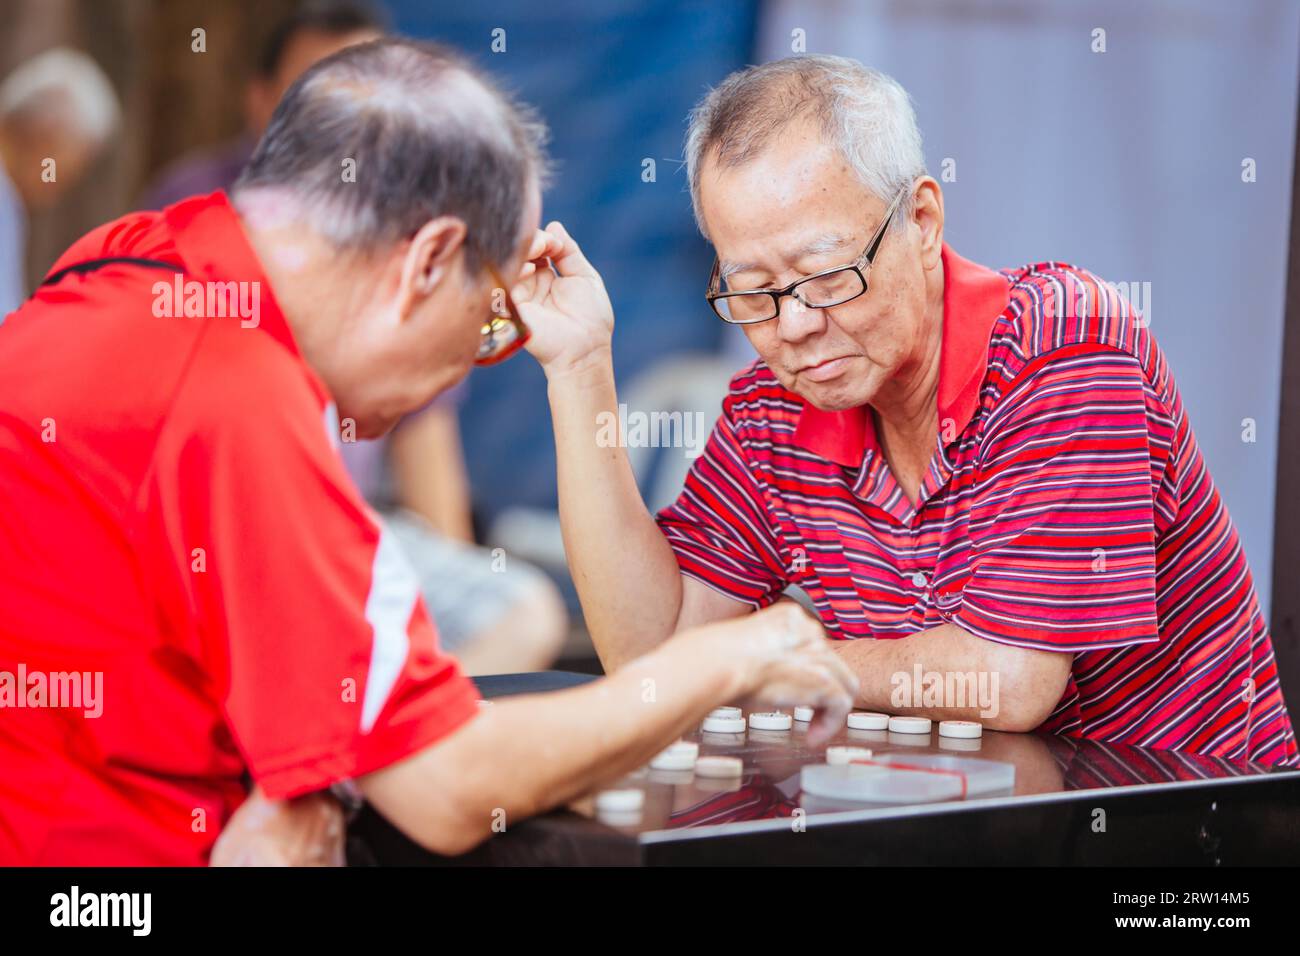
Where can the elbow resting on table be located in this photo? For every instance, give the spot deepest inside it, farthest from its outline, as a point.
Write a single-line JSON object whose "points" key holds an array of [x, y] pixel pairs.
{"points": [[1031, 687], [440, 826], [1017, 717], [446, 839], [437, 798]]}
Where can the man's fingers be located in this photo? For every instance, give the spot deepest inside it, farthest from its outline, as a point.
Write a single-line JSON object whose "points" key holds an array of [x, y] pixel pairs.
{"points": [[536, 288], [568, 258], [825, 724], [543, 246]]}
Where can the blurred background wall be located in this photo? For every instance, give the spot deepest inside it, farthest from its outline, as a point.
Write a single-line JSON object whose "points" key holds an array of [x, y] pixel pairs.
{"points": [[1127, 161], [173, 99]]}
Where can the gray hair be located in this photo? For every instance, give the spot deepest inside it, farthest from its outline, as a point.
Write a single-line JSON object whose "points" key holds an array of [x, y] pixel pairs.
{"points": [[428, 135], [865, 114], [64, 88]]}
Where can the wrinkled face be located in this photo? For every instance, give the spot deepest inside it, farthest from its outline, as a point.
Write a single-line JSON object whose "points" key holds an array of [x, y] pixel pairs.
{"points": [[399, 361], [795, 209]]}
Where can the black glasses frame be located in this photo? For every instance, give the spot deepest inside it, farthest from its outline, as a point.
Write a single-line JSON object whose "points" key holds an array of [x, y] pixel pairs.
{"points": [[862, 262]]}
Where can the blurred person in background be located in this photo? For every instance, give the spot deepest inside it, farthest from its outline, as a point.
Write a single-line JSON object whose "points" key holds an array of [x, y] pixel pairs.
{"points": [[495, 613], [312, 32], [57, 112], [615, 109]]}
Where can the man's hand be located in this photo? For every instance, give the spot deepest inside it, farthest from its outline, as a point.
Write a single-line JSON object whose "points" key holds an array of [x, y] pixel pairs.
{"points": [[785, 660], [564, 302], [304, 831]]}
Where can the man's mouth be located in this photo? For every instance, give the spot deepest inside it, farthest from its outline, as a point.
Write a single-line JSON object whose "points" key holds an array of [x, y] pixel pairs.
{"points": [[825, 370]]}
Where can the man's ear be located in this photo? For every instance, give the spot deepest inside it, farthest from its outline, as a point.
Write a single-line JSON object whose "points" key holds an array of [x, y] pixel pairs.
{"points": [[928, 211], [430, 257]]}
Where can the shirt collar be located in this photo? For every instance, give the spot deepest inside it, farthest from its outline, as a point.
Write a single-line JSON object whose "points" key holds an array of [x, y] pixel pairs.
{"points": [[212, 244], [973, 299]]}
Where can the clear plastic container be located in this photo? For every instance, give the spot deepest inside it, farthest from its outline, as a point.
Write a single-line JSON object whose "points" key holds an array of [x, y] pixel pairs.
{"points": [[908, 778]]}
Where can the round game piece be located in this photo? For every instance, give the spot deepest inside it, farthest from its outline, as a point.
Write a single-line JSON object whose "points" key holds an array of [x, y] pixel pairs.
{"points": [[803, 714], [678, 756], [726, 712], [619, 818], [866, 720], [969, 729], [909, 725], [724, 725], [674, 777], [714, 766], [843, 755], [772, 721], [619, 801]]}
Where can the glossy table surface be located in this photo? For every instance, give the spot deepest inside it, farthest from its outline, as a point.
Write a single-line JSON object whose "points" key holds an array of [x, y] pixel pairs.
{"points": [[1163, 807], [769, 786]]}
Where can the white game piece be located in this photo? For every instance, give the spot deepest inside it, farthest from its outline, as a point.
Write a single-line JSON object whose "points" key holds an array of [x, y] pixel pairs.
{"points": [[724, 725], [718, 784], [803, 714], [714, 766], [619, 818], [968, 729], [619, 801], [770, 721], [678, 756], [842, 755], [726, 712], [683, 746], [672, 777], [909, 725], [866, 720]]}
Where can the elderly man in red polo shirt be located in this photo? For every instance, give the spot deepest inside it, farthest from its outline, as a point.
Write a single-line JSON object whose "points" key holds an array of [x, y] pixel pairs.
{"points": [[194, 592], [985, 481]]}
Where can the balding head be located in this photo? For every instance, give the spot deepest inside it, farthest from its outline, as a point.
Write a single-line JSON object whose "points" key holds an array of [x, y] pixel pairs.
{"points": [[391, 176], [375, 141]]}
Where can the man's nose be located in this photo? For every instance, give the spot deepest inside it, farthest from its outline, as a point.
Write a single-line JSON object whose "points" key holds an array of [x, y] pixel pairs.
{"points": [[797, 321]]}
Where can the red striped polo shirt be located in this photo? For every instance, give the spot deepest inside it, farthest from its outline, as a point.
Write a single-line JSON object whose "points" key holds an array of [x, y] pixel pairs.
{"points": [[1067, 507]]}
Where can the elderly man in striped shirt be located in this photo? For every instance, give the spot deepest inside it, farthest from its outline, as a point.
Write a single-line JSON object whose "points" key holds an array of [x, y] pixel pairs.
{"points": [[969, 472]]}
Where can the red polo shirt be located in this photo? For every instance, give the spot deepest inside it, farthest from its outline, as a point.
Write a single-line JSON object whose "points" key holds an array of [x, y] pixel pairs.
{"points": [[176, 519], [1066, 508]]}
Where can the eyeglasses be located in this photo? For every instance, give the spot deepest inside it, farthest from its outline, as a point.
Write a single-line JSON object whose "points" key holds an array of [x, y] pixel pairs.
{"points": [[818, 291], [505, 333]]}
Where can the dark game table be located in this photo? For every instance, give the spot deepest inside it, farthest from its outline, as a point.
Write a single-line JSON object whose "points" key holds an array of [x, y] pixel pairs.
{"points": [[1074, 802]]}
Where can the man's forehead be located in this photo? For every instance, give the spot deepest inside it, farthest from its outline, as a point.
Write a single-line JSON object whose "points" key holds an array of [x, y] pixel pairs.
{"points": [[754, 220], [815, 241]]}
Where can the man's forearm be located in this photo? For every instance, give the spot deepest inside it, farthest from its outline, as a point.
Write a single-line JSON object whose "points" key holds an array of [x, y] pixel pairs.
{"points": [[545, 752], [622, 566], [947, 673]]}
